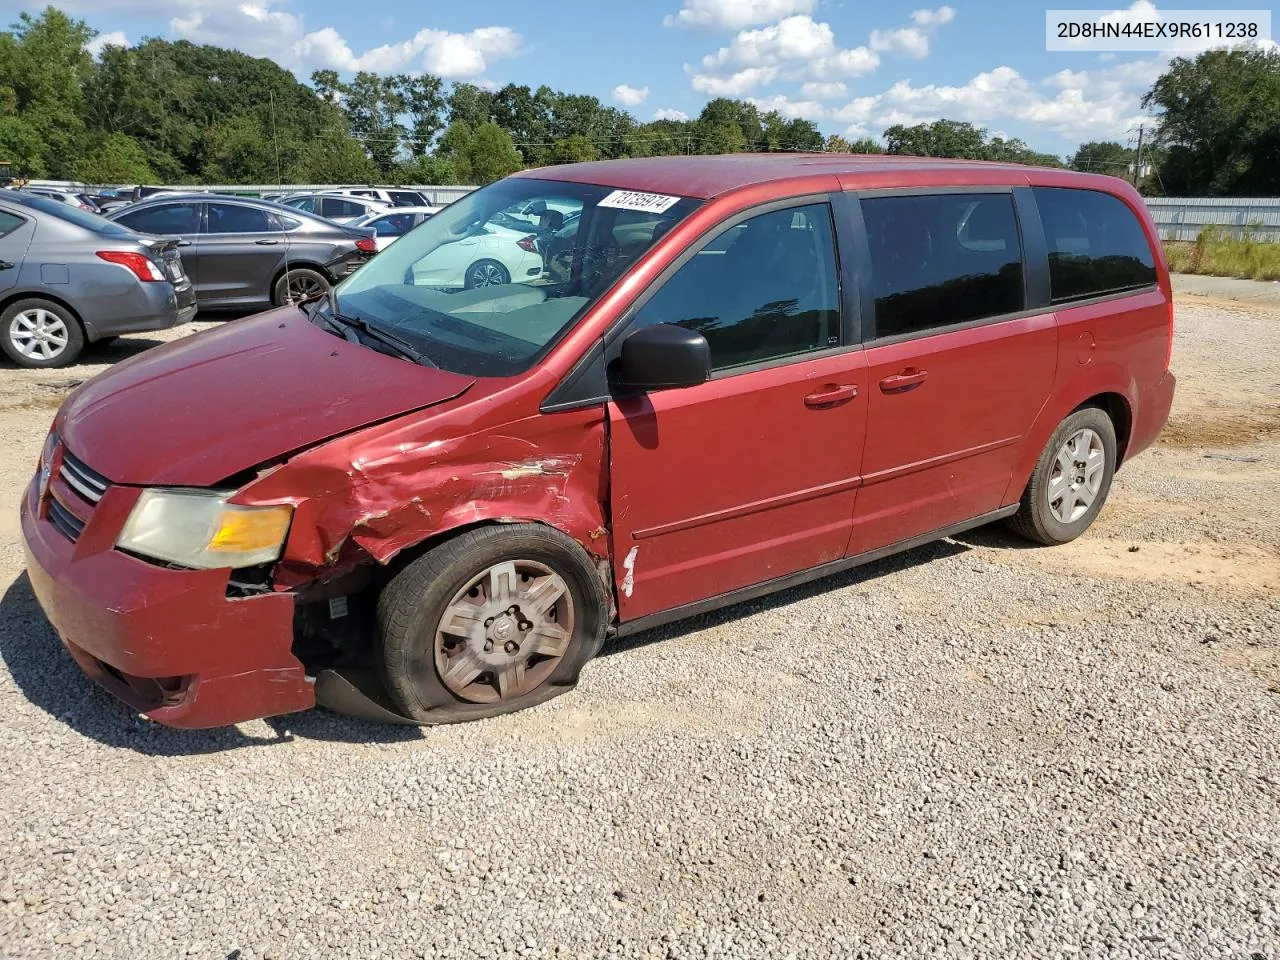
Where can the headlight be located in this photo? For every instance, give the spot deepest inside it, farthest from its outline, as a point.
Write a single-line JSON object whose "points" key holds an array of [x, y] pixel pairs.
{"points": [[198, 528]]}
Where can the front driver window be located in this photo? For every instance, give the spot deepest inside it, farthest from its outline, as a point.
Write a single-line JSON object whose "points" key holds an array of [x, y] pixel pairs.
{"points": [[760, 291]]}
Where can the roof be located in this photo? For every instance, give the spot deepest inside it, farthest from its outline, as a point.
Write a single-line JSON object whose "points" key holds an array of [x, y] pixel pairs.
{"points": [[704, 177]]}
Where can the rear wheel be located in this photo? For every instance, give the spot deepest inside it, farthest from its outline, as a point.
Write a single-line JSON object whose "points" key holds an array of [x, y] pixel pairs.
{"points": [[298, 284], [486, 273], [492, 621], [40, 333], [1071, 480]]}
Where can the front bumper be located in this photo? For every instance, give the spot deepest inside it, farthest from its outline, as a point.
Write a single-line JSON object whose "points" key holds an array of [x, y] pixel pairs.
{"points": [[167, 642]]}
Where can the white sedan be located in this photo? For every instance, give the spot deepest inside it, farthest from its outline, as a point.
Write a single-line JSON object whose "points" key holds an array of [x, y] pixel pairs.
{"points": [[488, 256], [390, 226]]}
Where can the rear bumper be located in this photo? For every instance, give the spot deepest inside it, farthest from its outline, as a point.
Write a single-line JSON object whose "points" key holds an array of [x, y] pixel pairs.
{"points": [[152, 306], [1152, 411], [169, 643]]}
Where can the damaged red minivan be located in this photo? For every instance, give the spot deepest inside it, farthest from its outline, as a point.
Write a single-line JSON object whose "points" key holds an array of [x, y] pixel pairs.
{"points": [[586, 400]]}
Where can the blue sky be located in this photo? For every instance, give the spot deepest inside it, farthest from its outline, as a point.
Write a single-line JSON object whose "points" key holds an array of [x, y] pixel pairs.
{"points": [[852, 68]]}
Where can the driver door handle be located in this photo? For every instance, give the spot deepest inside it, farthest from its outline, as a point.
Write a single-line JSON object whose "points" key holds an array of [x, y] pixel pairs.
{"points": [[266, 243], [831, 394], [906, 380]]}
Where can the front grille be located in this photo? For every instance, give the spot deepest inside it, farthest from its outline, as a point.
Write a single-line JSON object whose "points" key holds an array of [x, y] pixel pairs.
{"points": [[68, 524], [84, 481]]}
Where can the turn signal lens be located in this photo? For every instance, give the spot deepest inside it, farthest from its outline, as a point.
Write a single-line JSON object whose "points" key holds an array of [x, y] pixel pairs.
{"points": [[249, 531]]}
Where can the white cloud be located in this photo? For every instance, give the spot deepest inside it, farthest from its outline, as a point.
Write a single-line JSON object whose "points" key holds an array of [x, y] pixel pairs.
{"points": [[908, 41], [734, 85], [669, 114], [824, 90], [795, 38], [933, 18], [261, 28], [115, 38], [735, 14], [630, 96], [845, 63], [1084, 104], [790, 109]]}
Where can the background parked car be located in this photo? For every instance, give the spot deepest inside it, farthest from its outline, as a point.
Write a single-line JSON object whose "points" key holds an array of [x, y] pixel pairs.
{"points": [[390, 226], [335, 206], [69, 277], [393, 197], [488, 256], [242, 252], [61, 196]]}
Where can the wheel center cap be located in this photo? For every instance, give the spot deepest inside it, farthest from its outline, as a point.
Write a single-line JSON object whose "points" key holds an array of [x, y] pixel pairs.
{"points": [[504, 628]]}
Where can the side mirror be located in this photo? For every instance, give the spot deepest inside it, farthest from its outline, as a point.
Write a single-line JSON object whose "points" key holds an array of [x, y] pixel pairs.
{"points": [[661, 357]]}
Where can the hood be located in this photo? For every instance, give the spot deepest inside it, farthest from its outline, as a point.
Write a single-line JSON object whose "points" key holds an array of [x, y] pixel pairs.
{"points": [[198, 410]]}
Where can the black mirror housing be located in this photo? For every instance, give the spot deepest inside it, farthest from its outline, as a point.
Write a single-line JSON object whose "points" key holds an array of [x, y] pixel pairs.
{"points": [[663, 357]]}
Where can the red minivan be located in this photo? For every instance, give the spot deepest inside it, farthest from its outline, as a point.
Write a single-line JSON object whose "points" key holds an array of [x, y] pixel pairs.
{"points": [[431, 495]]}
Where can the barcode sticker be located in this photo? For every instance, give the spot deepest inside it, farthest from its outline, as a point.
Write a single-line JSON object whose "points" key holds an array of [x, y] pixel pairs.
{"points": [[640, 202]]}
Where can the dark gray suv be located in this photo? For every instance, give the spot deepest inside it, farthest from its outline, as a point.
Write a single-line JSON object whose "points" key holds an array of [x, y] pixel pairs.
{"points": [[69, 277], [244, 252]]}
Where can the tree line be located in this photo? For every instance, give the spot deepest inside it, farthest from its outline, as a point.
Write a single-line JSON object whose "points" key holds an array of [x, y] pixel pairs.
{"points": [[177, 112]]}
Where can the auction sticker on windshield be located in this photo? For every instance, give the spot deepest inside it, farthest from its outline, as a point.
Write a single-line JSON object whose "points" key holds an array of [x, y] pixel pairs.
{"points": [[640, 202]]}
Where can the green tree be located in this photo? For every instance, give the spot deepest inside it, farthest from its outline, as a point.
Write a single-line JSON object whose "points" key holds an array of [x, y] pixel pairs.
{"points": [[489, 155], [22, 146], [574, 149], [117, 158], [470, 105], [1102, 156], [428, 169], [425, 104], [942, 138], [333, 157], [1219, 123], [728, 126], [838, 144]]}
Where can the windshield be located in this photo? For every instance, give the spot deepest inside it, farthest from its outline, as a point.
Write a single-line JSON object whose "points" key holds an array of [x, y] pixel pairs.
{"points": [[81, 218], [487, 285]]}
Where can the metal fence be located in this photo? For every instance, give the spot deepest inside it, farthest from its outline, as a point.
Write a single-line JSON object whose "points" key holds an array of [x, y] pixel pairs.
{"points": [[1182, 218]]}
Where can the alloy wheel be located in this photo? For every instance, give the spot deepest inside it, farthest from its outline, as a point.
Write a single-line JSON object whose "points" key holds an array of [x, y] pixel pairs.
{"points": [[1078, 471], [38, 333], [486, 275]]}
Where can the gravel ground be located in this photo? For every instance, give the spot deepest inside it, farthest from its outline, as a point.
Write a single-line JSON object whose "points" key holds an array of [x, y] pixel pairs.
{"points": [[973, 750]]}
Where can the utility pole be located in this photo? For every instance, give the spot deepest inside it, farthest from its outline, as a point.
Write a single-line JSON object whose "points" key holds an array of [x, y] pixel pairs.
{"points": [[1137, 160]]}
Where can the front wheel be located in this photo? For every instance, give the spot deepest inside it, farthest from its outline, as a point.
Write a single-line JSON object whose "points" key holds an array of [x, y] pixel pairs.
{"points": [[492, 621], [1071, 479]]}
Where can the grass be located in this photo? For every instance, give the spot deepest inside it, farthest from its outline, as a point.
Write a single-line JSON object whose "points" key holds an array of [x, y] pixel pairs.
{"points": [[1217, 255]]}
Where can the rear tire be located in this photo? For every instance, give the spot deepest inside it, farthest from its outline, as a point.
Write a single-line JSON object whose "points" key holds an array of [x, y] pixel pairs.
{"points": [[486, 273], [1071, 480], [492, 621], [40, 334], [297, 284]]}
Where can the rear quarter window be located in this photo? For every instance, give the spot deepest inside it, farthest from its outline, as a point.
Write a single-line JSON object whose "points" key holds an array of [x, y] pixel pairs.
{"points": [[9, 222], [1096, 244]]}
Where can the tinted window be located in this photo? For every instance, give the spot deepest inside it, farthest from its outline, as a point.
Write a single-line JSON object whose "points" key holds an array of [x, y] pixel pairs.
{"points": [[1096, 244], [9, 222], [233, 218], [333, 207], [407, 198], [769, 292], [943, 259], [393, 224], [168, 219], [64, 211]]}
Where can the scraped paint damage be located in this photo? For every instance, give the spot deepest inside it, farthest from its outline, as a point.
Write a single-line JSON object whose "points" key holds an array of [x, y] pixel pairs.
{"points": [[373, 495]]}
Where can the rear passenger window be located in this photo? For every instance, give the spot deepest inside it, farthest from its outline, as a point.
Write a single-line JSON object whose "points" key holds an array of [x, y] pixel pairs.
{"points": [[333, 207], [406, 198], [9, 222], [769, 291], [233, 218], [1096, 244], [942, 259]]}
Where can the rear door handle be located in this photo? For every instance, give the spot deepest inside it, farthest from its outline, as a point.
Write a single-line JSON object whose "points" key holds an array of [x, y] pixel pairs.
{"points": [[266, 243], [831, 394], [906, 380], [184, 243], [6, 265]]}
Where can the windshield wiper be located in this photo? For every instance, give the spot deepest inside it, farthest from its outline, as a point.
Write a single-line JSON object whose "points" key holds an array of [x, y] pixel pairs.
{"points": [[348, 325]]}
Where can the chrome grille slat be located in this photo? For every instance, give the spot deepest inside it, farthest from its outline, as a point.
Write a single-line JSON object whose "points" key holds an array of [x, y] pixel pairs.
{"points": [[68, 524], [90, 484]]}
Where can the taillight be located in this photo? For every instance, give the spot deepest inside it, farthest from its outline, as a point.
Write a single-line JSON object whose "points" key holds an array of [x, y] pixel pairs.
{"points": [[367, 245], [144, 268], [527, 243]]}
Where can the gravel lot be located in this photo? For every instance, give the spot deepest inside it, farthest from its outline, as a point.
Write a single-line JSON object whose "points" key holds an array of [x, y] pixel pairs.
{"points": [[973, 750]]}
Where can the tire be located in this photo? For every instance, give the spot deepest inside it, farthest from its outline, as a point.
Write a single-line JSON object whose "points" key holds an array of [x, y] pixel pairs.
{"points": [[40, 334], [1046, 518], [305, 283], [486, 273], [443, 667]]}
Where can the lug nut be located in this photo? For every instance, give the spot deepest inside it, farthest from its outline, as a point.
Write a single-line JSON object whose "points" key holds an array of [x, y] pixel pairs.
{"points": [[511, 647], [488, 646]]}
